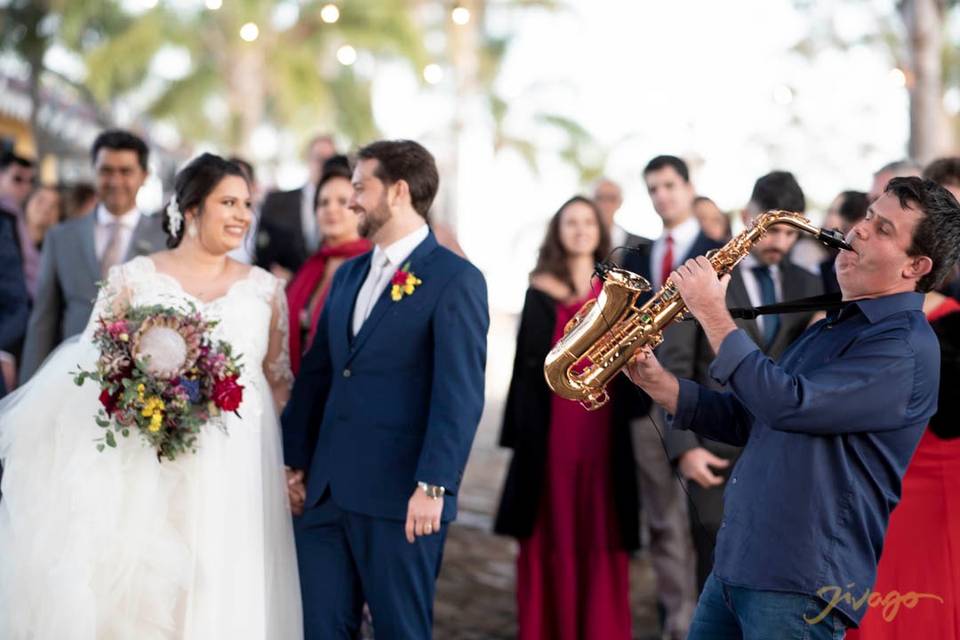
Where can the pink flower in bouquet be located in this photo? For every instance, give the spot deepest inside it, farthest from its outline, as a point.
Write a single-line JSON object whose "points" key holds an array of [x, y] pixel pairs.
{"points": [[227, 393], [119, 330]]}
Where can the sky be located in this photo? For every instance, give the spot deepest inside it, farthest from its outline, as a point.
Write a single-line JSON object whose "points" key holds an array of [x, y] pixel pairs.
{"points": [[714, 82]]}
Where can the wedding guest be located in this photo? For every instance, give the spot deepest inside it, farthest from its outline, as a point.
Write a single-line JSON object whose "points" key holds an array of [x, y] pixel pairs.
{"points": [[921, 550], [684, 352], [896, 169], [765, 276], [339, 227], [79, 199], [79, 253], [846, 210], [608, 196], [287, 232], [714, 222], [946, 173], [41, 213], [570, 496]]}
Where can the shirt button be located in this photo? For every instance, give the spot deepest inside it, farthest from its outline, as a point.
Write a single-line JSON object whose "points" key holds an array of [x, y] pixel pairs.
{"points": [[723, 523], [734, 481], [346, 373]]}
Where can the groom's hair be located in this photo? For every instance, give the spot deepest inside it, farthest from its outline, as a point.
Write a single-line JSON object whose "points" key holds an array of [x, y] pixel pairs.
{"points": [[121, 140], [408, 161]]}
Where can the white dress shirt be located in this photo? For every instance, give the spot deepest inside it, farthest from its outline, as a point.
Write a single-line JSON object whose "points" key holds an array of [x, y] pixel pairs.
{"points": [[753, 287], [308, 218], [684, 235], [128, 223], [383, 264]]}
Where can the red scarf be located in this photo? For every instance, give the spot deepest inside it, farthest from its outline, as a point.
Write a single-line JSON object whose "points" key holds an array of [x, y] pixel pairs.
{"points": [[304, 285]]}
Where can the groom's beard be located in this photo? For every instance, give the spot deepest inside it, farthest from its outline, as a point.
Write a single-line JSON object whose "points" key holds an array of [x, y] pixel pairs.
{"points": [[373, 220]]}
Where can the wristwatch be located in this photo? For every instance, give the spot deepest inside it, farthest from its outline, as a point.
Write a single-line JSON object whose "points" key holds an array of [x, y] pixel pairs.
{"points": [[432, 490]]}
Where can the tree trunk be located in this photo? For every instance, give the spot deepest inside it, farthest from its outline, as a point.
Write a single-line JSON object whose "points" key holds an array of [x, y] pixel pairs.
{"points": [[930, 132], [39, 136]]}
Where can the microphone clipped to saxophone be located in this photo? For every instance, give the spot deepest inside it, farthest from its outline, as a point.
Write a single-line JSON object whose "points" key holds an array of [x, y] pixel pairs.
{"points": [[604, 335]]}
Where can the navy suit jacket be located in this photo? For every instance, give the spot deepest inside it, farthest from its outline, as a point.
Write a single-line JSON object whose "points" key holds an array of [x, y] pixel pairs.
{"points": [[373, 414], [14, 300]]}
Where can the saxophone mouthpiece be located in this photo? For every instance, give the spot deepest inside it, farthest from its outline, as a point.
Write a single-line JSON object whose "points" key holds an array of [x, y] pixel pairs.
{"points": [[833, 238]]}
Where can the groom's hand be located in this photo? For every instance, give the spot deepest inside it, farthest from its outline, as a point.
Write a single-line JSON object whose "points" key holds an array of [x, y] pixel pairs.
{"points": [[296, 490], [423, 515]]}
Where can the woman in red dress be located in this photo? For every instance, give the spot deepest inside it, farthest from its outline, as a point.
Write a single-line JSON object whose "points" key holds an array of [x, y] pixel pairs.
{"points": [[337, 225], [918, 578], [570, 494]]}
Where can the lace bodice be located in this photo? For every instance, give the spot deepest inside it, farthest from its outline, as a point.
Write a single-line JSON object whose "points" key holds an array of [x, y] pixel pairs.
{"points": [[251, 315]]}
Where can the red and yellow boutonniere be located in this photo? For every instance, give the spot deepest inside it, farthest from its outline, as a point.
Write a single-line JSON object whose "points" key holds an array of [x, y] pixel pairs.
{"points": [[403, 283]]}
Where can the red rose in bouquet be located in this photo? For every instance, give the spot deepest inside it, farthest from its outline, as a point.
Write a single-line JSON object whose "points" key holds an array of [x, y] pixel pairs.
{"points": [[227, 394]]}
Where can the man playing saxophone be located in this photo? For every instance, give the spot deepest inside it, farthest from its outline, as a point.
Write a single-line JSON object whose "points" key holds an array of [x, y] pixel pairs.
{"points": [[827, 432]]}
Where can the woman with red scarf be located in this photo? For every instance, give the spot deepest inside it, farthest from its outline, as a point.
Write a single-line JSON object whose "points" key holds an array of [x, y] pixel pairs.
{"points": [[337, 225]]}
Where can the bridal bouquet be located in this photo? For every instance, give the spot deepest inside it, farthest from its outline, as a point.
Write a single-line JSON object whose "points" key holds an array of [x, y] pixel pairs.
{"points": [[161, 374]]}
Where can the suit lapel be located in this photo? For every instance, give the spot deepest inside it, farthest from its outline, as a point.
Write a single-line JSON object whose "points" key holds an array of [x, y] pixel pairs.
{"points": [[88, 244], [140, 244], [737, 292], [348, 301], [384, 302]]}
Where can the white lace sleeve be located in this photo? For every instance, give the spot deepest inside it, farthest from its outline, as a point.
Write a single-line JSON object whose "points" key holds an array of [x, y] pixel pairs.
{"points": [[112, 297], [276, 364]]}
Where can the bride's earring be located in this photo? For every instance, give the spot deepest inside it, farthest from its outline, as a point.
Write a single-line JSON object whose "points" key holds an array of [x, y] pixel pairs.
{"points": [[192, 230]]}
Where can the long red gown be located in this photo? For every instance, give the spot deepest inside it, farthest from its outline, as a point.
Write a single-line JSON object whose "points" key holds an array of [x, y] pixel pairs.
{"points": [[572, 572], [921, 551]]}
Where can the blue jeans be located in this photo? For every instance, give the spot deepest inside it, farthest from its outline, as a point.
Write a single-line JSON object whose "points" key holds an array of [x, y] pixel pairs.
{"points": [[736, 613]]}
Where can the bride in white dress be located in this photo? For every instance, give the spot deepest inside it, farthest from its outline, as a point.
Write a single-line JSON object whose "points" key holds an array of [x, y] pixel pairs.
{"points": [[116, 545]]}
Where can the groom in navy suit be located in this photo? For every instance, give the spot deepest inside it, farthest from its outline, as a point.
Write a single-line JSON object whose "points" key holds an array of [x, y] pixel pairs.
{"points": [[383, 413]]}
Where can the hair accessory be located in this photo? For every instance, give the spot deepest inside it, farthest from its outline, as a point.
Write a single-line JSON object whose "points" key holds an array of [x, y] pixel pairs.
{"points": [[174, 216]]}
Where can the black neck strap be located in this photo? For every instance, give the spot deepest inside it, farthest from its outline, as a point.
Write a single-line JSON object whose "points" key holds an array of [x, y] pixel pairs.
{"points": [[825, 302]]}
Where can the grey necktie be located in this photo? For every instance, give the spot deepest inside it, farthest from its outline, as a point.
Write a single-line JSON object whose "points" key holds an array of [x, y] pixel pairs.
{"points": [[111, 253], [376, 275]]}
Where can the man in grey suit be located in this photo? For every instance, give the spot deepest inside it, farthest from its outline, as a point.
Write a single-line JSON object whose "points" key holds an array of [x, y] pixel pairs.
{"points": [[766, 276], [78, 253]]}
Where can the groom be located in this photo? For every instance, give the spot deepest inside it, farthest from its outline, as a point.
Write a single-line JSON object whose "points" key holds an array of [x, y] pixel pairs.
{"points": [[382, 415]]}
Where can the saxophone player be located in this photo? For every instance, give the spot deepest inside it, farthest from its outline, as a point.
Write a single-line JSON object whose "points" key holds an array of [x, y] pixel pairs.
{"points": [[827, 432]]}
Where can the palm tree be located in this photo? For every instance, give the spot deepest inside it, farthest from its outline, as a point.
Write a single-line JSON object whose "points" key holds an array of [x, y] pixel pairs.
{"points": [[284, 75]]}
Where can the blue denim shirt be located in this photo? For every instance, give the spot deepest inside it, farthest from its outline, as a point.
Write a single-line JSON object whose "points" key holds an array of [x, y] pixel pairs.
{"points": [[827, 435]]}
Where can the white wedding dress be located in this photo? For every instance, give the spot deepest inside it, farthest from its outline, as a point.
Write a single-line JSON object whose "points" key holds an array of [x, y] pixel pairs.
{"points": [[117, 546]]}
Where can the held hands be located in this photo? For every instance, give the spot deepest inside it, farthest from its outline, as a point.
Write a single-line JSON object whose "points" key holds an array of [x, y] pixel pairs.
{"points": [[423, 515], [697, 465], [296, 490]]}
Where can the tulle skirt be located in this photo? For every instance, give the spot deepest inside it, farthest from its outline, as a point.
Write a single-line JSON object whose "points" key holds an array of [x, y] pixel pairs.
{"points": [[116, 545]]}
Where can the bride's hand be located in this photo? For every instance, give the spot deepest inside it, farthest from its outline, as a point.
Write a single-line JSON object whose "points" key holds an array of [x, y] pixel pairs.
{"points": [[296, 490]]}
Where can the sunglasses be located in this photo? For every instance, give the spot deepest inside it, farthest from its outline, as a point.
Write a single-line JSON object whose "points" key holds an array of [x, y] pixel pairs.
{"points": [[22, 180]]}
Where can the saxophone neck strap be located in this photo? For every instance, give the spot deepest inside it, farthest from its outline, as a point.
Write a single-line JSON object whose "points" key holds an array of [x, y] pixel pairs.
{"points": [[825, 302]]}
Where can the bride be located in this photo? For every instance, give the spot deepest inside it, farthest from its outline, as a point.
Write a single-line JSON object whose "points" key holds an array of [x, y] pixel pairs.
{"points": [[116, 545]]}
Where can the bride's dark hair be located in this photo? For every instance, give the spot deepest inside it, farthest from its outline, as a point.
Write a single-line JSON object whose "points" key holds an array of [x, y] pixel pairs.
{"points": [[193, 184]]}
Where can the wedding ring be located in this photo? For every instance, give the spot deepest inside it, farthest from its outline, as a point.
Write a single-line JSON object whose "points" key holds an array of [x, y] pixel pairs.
{"points": [[428, 528]]}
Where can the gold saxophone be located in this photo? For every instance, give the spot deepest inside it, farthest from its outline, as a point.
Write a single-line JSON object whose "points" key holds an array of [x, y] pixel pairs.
{"points": [[605, 333]]}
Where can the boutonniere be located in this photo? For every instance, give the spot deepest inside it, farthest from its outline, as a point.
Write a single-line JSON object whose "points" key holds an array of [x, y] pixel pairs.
{"points": [[403, 283]]}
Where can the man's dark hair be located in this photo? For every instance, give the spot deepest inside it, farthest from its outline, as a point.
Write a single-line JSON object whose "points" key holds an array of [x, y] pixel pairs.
{"points": [[778, 190], [937, 234], [120, 140], [662, 162], [10, 158], [944, 171], [853, 206], [408, 161]]}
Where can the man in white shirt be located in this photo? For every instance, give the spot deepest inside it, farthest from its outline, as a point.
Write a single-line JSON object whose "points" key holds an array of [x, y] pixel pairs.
{"points": [[766, 276], [380, 420], [78, 253], [608, 196], [287, 231], [684, 352]]}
